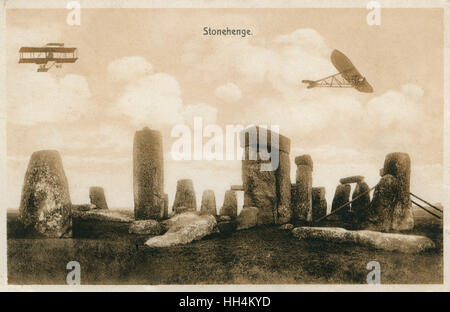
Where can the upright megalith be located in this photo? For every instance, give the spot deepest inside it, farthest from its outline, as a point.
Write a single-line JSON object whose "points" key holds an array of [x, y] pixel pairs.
{"points": [[319, 202], [185, 199], [45, 205], [266, 174], [229, 207], [208, 203], [399, 166], [380, 212], [97, 197], [341, 197], [390, 208], [148, 175], [360, 201], [303, 179]]}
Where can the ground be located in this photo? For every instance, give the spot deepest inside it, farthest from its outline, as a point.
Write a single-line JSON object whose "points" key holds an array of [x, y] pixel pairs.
{"points": [[263, 255]]}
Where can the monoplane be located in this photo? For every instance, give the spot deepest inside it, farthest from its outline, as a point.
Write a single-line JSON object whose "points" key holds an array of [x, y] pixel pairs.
{"points": [[347, 76], [48, 55]]}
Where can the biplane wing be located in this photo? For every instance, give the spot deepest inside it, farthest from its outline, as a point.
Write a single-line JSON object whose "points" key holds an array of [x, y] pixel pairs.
{"points": [[347, 76], [349, 72], [53, 53]]}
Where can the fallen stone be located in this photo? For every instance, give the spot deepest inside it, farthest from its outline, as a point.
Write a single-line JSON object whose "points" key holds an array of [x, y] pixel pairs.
{"points": [[45, 205], [83, 207], [287, 227], [223, 218], [229, 207], [227, 227], [208, 203], [247, 218], [97, 197], [185, 199], [378, 240], [183, 229], [104, 215], [148, 175], [148, 227], [352, 179]]}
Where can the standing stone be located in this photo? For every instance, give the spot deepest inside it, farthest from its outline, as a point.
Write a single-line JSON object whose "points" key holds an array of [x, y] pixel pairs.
{"points": [[260, 189], [229, 207], [283, 176], [341, 196], [380, 213], [97, 197], [399, 166], [360, 206], [319, 202], [166, 206], [45, 205], [303, 183], [208, 203], [148, 175], [390, 209], [269, 191], [185, 199]]}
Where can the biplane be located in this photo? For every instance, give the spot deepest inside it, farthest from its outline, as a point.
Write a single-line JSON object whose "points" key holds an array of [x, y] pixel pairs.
{"points": [[48, 55], [347, 76]]}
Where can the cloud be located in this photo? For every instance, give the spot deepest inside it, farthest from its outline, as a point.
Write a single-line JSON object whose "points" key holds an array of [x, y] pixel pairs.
{"points": [[129, 67], [151, 100], [205, 111], [402, 108], [228, 92], [39, 97]]}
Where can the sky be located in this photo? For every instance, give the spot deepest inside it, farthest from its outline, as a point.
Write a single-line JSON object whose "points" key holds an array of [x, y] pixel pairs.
{"points": [[154, 68]]}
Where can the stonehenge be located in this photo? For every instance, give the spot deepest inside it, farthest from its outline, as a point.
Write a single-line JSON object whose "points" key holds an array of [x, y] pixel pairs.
{"points": [[208, 205], [266, 174], [303, 179], [97, 197], [269, 196], [148, 175], [45, 204], [185, 199]]}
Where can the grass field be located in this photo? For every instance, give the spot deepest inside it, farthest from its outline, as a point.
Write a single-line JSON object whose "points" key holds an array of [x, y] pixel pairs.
{"points": [[264, 255]]}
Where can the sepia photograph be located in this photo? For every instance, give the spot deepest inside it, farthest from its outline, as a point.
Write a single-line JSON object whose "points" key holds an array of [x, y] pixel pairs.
{"points": [[225, 146]]}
